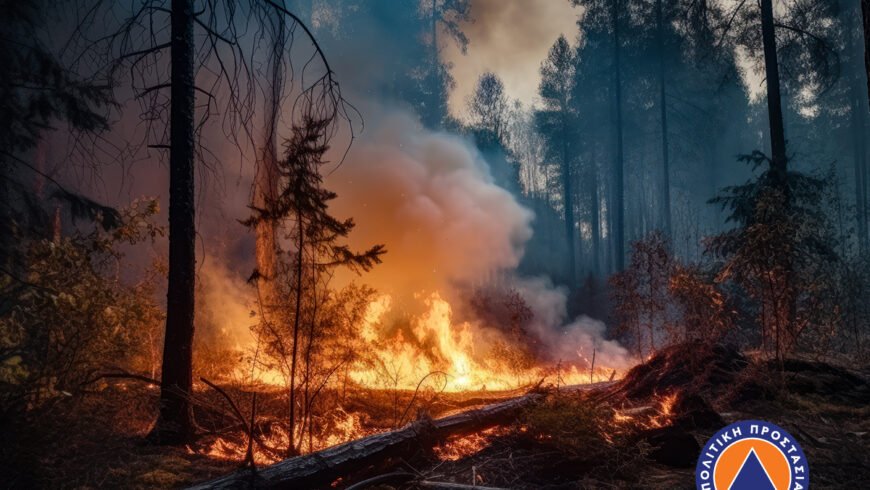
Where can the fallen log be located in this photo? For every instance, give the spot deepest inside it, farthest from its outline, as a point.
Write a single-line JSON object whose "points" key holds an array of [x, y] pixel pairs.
{"points": [[378, 451], [454, 486]]}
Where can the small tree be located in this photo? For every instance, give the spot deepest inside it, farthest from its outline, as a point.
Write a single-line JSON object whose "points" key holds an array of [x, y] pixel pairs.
{"points": [[703, 310], [780, 251], [556, 122], [302, 205], [640, 293], [488, 107]]}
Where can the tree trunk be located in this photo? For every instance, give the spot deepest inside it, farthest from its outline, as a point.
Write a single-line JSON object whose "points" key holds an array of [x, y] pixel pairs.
{"points": [[267, 174], [865, 11], [774, 98], [666, 171], [618, 203], [291, 446], [596, 218], [175, 423], [784, 308], [858, 119], [379, 451], [568, 203]]}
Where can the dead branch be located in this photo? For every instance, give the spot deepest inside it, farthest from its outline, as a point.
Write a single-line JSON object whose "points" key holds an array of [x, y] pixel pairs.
{"points": [[383, 449], [228, 398], [122, 375], [452, 486]]}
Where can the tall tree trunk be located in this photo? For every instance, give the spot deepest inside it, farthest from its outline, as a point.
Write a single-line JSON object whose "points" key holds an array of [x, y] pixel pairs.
{"points": [[300, 255], [784, 304], [175, 423], [865, 11], [267, 174], [568, 203], [774, 98], [666, 170], [858, 122], [618, 202], [596, 218]]}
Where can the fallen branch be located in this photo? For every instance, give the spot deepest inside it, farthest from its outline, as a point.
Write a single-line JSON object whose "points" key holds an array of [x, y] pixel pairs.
{"points": [[122, 375], [454, 486], [381, 450]]}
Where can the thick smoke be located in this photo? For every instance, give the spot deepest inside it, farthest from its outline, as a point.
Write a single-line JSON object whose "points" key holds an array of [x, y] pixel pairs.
{"points": [[510, 39], [566, 341], [430, 199]]}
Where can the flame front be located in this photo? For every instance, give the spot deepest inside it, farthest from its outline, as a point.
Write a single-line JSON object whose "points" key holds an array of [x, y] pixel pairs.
{"points": [[451, 356]]}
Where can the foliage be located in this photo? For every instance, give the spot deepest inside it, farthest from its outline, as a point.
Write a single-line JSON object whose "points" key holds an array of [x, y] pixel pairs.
{"points": [[36, 88], [506, 311], [488, 107], [853, 281], [37, 91], [704, 310], [780, 252], [660, 301], [74, 316], [640, 294], [304, 333]]}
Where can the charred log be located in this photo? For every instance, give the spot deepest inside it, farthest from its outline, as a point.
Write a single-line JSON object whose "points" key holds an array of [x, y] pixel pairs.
{"points": [[376, 453]]}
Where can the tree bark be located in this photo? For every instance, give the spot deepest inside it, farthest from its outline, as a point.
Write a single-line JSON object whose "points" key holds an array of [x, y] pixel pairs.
{"points": [[858, 113], [265, 190], [784, 304], [300, 255], [568, 201], [175, 423], [865, 11], [618, 202], [778, 162], [666, 171], [596, 218]]}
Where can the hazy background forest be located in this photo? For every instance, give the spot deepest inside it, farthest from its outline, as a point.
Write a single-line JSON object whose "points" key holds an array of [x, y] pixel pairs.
{"points": [[424, 196]]}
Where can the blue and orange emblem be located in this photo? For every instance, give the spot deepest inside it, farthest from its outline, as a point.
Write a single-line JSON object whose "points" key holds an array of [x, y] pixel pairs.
{"points": [[752, 455]]}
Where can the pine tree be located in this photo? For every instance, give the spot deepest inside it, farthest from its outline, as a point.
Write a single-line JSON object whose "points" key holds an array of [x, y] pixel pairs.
{"points": [[556, 121], [303, 203]]}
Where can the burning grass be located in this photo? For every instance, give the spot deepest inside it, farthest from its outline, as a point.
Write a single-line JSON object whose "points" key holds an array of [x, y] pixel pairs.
{"points": [[638, 432], [645, 430]]}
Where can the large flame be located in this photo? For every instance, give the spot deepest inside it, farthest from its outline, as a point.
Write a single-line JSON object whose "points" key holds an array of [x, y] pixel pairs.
{"points": [[451, 356], [435, 352]]}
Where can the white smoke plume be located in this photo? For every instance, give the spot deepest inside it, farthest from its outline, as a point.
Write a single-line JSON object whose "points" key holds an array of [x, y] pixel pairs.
{"points": [[430, 199], [565, 340]]}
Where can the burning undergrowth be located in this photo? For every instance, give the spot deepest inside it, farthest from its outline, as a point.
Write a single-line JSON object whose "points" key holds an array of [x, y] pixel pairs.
{"points": [[644, 431], [445, 302], [443, 313]]}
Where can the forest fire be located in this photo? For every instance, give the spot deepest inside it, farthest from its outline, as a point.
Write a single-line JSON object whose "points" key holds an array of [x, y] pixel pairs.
{"points": [[456, 448], [435, 352], [429, 243], [460, 353]]}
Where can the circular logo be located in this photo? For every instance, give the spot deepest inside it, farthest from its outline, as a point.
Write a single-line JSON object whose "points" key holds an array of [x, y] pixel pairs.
{"points": [[752, 455]]}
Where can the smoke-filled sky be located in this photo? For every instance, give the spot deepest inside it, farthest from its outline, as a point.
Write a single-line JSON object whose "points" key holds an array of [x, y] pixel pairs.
{"points": [[430, 199], [509, 39]]}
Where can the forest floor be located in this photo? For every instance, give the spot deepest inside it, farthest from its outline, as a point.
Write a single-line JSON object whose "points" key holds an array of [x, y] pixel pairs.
{"points": [[643, 432], [99, 440], [647, 430]]}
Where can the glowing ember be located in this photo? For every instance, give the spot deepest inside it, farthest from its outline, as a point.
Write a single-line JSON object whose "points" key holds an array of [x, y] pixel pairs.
{"points": [[271, 447], [456, 448], [665, 411]]}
